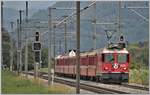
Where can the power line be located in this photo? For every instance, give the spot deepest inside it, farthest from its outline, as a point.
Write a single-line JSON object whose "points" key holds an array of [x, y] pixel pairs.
{"points": [[60, 22], [135, 7], [74, 13], [144, 18], [132, 9]]}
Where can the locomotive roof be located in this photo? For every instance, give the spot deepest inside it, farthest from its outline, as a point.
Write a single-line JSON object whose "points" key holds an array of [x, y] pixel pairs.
{"points": [[94, 52], [124, 50]]}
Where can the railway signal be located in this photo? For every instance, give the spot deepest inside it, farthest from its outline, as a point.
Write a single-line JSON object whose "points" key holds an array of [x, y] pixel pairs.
{"points": [[37, 46], [37, 52], [37, 43], [20, 39]]}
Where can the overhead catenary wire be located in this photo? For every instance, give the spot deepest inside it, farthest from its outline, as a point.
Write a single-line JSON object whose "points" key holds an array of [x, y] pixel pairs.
{"points": [[74, 13], [60, 22], [144, 18], [133, 10]]}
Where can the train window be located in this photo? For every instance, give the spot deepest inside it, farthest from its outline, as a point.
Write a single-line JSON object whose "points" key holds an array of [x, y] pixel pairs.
{"points": [[109, 58], [122, 58], [91, 60], [103, 57], [128, 58]]}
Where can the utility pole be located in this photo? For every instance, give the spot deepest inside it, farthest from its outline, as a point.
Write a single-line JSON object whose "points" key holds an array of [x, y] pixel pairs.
{"points": [[54, 44], [2, 26], [18, 51], [20, 39], [119, 17], [65, 34], [26, 46], [94, 26], [49, 48], [11, 50], [59, 46], [78, 48]]}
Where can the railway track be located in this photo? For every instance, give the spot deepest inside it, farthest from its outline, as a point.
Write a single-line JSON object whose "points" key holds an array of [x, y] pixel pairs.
{"points": [[136, 87], [84, 86], [89, 87], [124, 85]]}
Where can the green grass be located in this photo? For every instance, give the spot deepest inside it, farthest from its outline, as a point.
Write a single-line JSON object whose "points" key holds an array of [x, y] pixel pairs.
{"points": [[44, 70], [13, 84], [139, 76]]}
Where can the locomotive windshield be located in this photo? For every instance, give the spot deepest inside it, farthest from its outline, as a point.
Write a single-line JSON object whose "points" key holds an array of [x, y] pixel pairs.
{"points": [[109, 58], [122, 58]]}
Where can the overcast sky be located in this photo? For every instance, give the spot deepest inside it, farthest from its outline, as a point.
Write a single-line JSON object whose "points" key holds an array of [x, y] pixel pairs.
{"points": [[32, 4]]}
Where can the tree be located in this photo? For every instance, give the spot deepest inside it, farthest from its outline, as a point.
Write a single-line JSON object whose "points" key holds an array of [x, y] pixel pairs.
{"points": [[5, 48], [30, 57]]}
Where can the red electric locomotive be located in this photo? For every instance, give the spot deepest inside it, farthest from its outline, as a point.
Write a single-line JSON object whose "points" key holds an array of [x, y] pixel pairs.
{"points": [[108, 64]]}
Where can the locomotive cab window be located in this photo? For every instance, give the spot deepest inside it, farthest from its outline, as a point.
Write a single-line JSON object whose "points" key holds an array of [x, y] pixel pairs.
{"points": [[123, 58], [108, 58]]}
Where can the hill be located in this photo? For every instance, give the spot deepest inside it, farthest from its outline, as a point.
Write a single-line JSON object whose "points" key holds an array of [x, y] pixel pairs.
{"points": [[134, 28]]}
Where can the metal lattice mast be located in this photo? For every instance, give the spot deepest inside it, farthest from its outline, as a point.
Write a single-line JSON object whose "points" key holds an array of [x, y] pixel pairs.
{"points": [[94, 27], [2, 26], [18, 51], [119, 22], [26, 43], [20, 39], [11, 50], [54, 38], [65, 34], [49, 48]]}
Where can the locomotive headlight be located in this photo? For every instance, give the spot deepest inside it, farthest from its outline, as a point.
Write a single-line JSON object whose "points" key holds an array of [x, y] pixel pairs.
{"points": [[106, 68], [124, 68]]}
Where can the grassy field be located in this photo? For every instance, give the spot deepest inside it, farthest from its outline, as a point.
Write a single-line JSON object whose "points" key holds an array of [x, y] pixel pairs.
{"points": [[44, 70], [13, 84], [139, 76]]}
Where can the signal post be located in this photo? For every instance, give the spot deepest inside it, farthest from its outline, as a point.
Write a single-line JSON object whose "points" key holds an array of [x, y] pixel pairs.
{"points": [[37, 53]]}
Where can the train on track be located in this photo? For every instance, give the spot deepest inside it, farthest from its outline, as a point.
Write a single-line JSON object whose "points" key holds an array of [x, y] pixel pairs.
{"points": [[110, 64]]}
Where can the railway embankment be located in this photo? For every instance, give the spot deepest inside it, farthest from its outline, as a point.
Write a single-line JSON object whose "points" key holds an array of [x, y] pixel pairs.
{"points": [[14, 84]]}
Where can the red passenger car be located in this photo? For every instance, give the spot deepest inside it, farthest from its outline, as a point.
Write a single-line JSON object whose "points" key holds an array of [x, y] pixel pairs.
{"points": [[108, 64]]}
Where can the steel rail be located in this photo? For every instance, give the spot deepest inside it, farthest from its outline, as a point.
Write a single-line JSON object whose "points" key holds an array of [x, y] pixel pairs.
{"points": [[124, 84], [96, 89], [136, 87]]}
